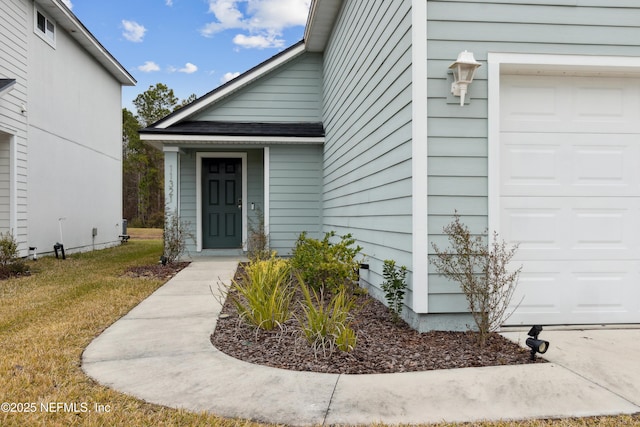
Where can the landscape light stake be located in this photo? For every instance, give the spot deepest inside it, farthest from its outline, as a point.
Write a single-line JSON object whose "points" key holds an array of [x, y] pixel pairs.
{"points": [[536, 345]]}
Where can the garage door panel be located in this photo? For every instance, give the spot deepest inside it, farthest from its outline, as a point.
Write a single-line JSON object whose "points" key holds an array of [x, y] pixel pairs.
{"points": [[528, 164], [532, 227], [530, 102], [538, 292], [600, 229], [602, 291], [572, 228], [553, 292], [564, 165], [569, 104]]}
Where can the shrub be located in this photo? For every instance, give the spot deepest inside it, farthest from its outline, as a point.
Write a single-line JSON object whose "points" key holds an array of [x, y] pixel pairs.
{"points": [[263, 296], [175, 236], [326, 326], [482, 273], [10, 263], [8, 249], [394, 287], [258, 244], [324, 265]]}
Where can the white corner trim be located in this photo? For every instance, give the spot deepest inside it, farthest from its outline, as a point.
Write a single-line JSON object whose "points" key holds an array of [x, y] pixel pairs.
{"points": [[227, 155], [493, 130], [420, 240], [233, 86], [266, 212]]}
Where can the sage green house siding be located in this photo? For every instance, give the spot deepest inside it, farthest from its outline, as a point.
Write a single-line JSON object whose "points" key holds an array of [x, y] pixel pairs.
{"points": [[295, 188], [367, 119], [289, 94]]}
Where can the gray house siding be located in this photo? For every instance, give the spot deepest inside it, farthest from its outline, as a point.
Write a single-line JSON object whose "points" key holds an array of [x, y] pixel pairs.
{"points": [[295, 188], [14, 27], [290, 93], [458, 137], [367, 118]]}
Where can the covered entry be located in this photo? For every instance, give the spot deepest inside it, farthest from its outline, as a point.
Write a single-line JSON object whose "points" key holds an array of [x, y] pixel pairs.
{"points": [[569, 193]]}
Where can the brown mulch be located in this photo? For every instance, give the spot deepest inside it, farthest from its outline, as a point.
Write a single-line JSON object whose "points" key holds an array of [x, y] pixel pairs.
{"points": [[383, 346], [156, 271]]}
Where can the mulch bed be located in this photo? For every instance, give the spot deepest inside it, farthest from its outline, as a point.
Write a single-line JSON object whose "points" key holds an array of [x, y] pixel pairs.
{"points": [[383, 346], [156, 271]]}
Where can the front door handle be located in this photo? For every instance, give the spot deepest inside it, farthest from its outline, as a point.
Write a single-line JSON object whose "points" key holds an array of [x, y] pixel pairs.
{"points": [[239, 203]]}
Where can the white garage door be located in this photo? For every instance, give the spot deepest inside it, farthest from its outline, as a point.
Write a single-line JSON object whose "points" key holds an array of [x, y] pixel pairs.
{"points": [[570, 196]]}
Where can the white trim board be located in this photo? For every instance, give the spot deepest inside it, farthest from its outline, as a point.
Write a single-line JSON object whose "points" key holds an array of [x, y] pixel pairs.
{"points": [[419, 158], [202, 155], [267, 189]]}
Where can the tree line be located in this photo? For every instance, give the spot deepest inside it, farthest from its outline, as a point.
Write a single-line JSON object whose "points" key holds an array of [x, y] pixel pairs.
{"points": [[142, 164]]}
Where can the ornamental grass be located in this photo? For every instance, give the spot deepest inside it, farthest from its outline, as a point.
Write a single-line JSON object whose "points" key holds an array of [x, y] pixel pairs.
{"points": [[263, 296]]}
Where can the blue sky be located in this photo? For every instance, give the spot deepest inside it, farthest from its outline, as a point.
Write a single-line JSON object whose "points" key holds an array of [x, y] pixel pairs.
{"points": [[192, 46]]}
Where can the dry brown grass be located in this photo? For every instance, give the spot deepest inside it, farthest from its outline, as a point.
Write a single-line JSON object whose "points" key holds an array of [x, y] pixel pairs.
{"points": [[145, 233], [46, 321]]}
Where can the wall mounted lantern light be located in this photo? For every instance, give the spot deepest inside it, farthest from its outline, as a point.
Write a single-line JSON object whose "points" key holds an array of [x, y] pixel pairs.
{"points": [[463, 71]]}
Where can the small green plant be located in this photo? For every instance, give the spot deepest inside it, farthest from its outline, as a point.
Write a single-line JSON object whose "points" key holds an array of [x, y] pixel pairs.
{"points": [[394, 287], [10, 262], [175, 236], [263, 296], [481, 269], [8, 249], [258, 243], [327, 325], [324, 265]]}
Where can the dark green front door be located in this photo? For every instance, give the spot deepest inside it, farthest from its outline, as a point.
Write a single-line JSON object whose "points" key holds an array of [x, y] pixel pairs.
{"points": [[221, 203]]}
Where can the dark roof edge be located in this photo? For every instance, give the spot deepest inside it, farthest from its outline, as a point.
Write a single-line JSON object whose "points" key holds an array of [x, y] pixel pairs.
{"points": [[225, 128]]}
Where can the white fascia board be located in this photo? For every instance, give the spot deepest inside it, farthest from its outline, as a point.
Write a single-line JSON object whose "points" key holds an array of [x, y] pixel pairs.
{"points": [[239, 140], [322, 16], [232, 86]]}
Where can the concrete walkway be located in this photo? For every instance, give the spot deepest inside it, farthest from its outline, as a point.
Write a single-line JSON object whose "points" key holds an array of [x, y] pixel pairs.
{"points": [[161, 353]]}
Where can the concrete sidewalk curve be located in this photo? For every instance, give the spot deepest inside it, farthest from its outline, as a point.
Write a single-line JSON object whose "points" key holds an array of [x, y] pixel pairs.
{"points": [[160, 352]]}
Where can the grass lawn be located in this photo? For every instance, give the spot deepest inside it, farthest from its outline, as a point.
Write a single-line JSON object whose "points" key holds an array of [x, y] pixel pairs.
{"points": [[48, 318], [144, 233]]}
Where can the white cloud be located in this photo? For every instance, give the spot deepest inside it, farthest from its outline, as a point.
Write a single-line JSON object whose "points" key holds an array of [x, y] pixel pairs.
{"points": [[258, 42], [169, 2], [133, 31], [68, 3], [263, 20], [228, 76], [149, 67], [278, 14], [188, 68]]}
